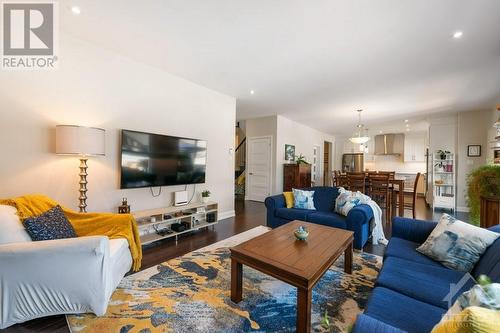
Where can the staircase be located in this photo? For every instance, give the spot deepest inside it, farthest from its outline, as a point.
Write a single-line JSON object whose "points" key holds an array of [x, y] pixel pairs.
{"points": [[239, 168]]}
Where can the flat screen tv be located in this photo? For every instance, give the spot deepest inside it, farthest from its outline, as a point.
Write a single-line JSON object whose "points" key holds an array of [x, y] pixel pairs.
{"points": [[149, 160]]}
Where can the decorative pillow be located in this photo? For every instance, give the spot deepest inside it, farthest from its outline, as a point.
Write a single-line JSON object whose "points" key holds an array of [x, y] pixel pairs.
{"points": [[11, 228], [474, 319], [288, 199], [456, 244], [52, 224], [346, 200], [303, 199]]}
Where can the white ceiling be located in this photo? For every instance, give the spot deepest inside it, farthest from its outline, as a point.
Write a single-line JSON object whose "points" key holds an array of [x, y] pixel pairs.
{"points": [[312, 61]]}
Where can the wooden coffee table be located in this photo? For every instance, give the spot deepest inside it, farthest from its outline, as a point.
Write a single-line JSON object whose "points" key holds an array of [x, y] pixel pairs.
{"points": [[299, 263]]}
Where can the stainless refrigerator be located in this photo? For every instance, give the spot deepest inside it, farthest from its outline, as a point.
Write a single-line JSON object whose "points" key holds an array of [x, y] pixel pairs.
{"points": [[353, 162]]}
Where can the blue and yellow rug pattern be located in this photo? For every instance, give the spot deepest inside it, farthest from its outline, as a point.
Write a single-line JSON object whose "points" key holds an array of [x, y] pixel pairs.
{"points": [[192, 294]]}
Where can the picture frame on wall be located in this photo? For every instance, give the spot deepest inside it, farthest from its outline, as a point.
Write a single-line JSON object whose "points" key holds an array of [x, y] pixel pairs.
{"points": [[474, 150], [289, 152]]}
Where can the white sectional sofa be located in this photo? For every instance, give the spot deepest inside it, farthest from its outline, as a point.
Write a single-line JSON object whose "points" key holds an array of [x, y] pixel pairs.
{"points": [[74, 275]]}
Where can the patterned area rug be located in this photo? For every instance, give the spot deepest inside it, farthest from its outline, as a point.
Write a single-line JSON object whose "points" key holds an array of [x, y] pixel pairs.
{"points": [[192, 294]]}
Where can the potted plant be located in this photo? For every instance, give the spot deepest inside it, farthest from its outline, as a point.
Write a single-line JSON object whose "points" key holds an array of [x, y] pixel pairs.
{"points": [[300, 159], [482, 182], [205, 196], [442, 153]]}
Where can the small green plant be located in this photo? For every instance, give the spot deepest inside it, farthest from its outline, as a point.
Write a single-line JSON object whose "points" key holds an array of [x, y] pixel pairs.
{"points": [[484, 181], [442, 153], [325, 321], [300, 159], [205, 194]]}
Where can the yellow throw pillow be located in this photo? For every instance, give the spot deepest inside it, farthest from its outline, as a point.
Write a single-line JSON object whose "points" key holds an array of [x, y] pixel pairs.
{"points": [[473, 319], [288, 199]]}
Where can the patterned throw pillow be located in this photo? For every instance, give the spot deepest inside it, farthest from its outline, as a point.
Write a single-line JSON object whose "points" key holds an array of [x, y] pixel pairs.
{"points": [[52, 224], [345, 201], [456, 244], [303, 199]]}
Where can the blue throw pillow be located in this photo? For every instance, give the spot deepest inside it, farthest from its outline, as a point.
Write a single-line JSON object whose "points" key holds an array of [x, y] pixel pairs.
{"points": [[303, 199], [456, 244], [52, 224]]}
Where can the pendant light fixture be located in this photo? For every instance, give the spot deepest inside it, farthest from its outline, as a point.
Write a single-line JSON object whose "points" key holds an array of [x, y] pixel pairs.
{"points": [[358, 138]]}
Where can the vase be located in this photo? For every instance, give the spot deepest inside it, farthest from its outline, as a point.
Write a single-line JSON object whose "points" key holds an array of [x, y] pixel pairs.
{"points": [[205, 199]]}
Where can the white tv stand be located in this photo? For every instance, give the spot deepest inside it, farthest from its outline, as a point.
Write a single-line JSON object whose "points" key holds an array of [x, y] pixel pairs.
{"points": [[155, 224]]}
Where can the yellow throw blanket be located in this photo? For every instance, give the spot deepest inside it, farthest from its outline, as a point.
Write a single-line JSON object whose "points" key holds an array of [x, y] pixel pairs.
{"points": [[85, 224]]}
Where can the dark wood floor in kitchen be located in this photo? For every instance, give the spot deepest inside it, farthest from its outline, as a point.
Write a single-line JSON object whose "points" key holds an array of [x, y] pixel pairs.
{"points": [[248, 215]]}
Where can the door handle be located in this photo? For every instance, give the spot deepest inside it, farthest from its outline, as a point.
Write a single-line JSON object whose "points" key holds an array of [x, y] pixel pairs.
{"points": [[251, 173]]}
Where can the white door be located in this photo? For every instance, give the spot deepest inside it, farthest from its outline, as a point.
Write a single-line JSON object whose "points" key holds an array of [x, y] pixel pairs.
{"points": [[316, 165], [259, 168]]}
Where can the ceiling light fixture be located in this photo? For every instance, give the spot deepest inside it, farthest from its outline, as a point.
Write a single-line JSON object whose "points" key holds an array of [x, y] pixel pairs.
{"points": [[252, 92], [357, 138], [407, 125], [458, 34], [76, 10], [406, 120]]}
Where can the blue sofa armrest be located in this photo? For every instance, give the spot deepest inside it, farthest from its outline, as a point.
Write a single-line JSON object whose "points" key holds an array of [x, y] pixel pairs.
{"points": [[276, 201], [272, 203], [358, 220], [366, 323], [412, 230]]}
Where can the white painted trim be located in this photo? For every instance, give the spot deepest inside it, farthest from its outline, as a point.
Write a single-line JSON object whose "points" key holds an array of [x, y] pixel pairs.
{"points": [[463, 209], [226, 215]]}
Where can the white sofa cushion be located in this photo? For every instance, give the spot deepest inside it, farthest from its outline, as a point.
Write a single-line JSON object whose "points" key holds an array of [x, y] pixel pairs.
{"points": [[11, 228]]}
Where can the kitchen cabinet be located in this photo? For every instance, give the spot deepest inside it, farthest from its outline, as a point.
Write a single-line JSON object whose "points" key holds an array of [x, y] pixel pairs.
{"points": [[414, 147]]}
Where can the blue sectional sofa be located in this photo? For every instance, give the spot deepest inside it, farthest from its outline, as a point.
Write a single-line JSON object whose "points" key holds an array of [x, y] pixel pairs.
{"points": [[411, 288], [358, 219]]}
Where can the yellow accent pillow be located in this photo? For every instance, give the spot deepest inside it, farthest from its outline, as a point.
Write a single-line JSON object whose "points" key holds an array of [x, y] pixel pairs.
{"points": [[473, 319], [288, 199]]}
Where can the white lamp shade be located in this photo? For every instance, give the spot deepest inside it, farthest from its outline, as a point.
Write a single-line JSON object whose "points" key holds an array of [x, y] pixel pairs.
{"points": [[79, 140]]}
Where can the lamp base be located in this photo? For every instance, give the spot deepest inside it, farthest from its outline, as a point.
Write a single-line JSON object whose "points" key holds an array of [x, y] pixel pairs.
{"points": [[83, 185]]}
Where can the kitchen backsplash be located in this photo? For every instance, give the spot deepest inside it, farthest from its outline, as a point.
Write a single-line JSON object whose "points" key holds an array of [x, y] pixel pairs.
{"points": [[394, 163]]}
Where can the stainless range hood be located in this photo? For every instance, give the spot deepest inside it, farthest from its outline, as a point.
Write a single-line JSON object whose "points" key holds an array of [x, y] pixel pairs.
{"points": [[389, 144]]}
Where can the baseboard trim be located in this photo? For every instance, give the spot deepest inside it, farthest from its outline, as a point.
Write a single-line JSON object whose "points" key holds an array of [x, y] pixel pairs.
{"points": [[226, 215], [463, 209]]}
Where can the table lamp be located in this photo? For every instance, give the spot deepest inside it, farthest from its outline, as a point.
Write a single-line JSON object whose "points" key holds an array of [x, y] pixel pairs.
{"points": [[84, 142]]}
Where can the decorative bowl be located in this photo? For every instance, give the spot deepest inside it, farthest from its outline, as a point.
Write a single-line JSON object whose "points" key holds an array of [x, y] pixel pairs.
{"points": [[301, 233]]}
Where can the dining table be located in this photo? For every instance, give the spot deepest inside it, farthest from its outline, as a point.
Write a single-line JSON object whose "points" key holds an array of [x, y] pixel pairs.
{"points": [[399, 181]]}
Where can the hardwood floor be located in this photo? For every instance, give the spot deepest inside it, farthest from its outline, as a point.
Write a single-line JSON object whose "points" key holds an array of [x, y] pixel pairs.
{"points": [[248, 215]]}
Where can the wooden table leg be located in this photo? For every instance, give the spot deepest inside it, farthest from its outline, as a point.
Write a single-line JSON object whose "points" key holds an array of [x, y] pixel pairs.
{"points": [[303, 310], [348, 259], [236, 281], [401, 199]]}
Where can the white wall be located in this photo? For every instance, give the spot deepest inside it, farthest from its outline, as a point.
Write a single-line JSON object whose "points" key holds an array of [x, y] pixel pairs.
{"points": [[304, 139], [473, 129], [94, 87], [286, 131]]}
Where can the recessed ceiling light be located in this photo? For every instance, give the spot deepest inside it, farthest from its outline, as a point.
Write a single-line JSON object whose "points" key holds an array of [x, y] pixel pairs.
{"points": [[252, 92], [407, 129], [406, 120], [380, 132], [407, 125], [458, 34], [76, 10]]}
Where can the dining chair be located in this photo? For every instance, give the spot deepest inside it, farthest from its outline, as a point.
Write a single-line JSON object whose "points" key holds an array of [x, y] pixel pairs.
{"points": [[356, 181], [380, 192], [342, 180], [411, 194]]}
